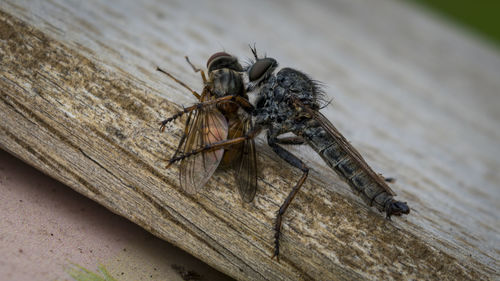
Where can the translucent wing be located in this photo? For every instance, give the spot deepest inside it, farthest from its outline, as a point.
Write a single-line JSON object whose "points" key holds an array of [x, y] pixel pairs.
{"points": [[183, 139], [346, 146], [246, 166], [207, 126]]}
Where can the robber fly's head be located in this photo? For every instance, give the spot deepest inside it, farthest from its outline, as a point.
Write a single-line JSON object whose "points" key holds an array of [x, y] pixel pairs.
{"points": [[260, 69], [397, 208], [222, 60]]}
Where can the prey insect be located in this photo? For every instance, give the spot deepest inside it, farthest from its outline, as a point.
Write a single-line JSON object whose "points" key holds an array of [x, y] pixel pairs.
{"points": [[289, 102], [216, 118]]}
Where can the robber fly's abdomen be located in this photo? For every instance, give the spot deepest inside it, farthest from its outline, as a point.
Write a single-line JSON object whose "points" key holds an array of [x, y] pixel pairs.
{"points": [[347, 168]]}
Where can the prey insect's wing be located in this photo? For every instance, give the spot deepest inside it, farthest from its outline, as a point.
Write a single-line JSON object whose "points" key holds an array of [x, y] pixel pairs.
{"points": [[207, 126], [345, 145], [183, 139], [246, 166]]}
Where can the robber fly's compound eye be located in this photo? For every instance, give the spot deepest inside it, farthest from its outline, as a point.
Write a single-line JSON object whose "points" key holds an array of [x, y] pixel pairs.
{"points": [[261, 68], [223, 60]]}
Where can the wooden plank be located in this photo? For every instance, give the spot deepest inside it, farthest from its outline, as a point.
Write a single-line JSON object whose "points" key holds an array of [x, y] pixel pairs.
{"points": [[80, 100]]}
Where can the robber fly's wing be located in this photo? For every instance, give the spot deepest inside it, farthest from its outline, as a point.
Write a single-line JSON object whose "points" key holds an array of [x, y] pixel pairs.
{"points": [[246, 166], [207, 126], [345, 145]]}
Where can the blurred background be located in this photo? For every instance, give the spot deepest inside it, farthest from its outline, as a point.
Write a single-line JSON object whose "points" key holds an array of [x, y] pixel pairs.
{"points": [[480, 18]]}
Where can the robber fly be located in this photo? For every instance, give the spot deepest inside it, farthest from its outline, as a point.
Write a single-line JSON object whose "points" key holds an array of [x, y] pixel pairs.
{"points": [[289, 101], [216, 118]]}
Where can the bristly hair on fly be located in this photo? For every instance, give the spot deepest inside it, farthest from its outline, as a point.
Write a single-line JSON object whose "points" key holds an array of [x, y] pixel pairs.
{"points": [[319, 91], [320, 94], [318, 86]]}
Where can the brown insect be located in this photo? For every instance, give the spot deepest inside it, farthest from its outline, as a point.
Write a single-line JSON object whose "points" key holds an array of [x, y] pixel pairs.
{"points": [[221, 114]]}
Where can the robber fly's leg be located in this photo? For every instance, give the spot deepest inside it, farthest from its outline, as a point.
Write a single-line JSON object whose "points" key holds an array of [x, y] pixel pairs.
{"points": [[295, 140], [193, 107], [296, 162], [178, 114], [179, 82], [241, 102], [215, 146], [390, 179], [244, 103], [207, 148], [196, 69]]}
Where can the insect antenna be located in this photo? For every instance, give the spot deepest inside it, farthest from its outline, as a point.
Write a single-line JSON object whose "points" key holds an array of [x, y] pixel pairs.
{"points": [[179, 82], [254, 50]]}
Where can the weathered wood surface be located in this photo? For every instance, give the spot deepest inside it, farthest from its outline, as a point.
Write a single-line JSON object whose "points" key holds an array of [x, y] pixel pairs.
{"points": [[80, 100]]}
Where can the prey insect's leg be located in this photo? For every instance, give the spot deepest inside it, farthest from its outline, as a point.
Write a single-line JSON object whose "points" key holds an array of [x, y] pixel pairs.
{"points": [[215, 146], [180, 82], [183, 138], [193, 107], [296, 162], [196, 69]]}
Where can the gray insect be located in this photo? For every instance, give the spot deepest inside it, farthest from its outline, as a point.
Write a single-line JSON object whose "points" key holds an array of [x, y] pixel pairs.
{"points": [[289, 101]]}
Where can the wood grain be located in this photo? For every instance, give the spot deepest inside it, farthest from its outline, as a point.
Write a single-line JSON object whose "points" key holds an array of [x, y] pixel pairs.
{"points": [[80, 100]]}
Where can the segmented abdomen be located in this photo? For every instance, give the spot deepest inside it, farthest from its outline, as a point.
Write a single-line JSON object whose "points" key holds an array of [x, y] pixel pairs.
{"points": [[347, 167]]}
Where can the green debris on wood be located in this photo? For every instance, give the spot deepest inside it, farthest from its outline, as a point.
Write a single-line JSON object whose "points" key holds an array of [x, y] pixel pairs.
{"points": [[79, 273]]}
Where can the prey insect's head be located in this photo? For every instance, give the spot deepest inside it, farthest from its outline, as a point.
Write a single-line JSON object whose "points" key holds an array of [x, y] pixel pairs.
{"points": [[223, 60], [397, 208]]}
